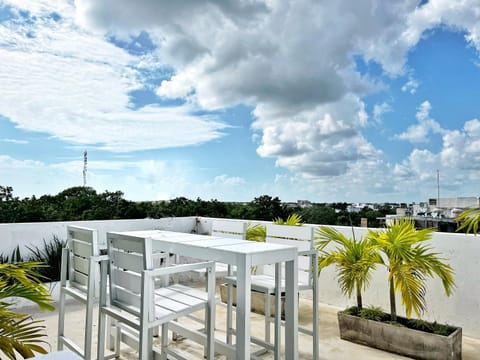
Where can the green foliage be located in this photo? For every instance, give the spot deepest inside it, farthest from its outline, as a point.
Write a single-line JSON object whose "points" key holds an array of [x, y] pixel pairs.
{"points": [[15, 257], [352, 310], [430, 327], [19, 333], [354, 260], [50, 254], [421, 325], [409, 262], [319, 214], [442, 329], [373, 313], [6, 193], [267, 208], [257, 232], [292, 220], [469, 219]]}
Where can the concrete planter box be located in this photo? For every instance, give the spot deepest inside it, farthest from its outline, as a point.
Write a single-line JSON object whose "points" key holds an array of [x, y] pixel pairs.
{"points": [[258, 301], [400, 340]]}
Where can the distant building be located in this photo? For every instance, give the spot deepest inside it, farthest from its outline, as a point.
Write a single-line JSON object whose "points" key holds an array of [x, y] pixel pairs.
{"points": [[450, 208], [304, 203]]}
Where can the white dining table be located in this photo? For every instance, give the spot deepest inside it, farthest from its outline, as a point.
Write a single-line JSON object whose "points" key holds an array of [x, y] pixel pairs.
{"points": [[244, 255]]}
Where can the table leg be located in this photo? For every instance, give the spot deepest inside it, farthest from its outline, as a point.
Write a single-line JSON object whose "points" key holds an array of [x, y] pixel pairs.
{"points": [[278, 311], [243, 310], [291, 309]]}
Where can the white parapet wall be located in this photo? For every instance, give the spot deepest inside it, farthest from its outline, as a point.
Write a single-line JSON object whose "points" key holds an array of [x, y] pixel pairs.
{"points": [[33, 234], [462, 251]]}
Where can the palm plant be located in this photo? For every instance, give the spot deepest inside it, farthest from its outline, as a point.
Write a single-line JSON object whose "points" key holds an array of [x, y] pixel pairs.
{"points": [[292, 220], [470, 219], [409, 262], [354, 260], [19, 333], [256, 232]]}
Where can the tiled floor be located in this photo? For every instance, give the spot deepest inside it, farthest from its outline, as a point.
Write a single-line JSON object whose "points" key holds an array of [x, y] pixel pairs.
{"points": [[331, 346]]}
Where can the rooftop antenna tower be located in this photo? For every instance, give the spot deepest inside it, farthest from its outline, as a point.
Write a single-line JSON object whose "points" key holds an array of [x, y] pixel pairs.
{"points": [[438, 188], [85, 168]]}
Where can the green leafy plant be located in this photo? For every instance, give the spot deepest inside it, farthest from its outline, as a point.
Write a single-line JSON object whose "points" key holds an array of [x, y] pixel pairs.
{"points": [[354, 260], [469, 219], [421, 325], [409, 261], [442, 329], [352, 310], [19, 333], [15, 256], [256, 232], [50, 254], [292, 220], [373, 313]]}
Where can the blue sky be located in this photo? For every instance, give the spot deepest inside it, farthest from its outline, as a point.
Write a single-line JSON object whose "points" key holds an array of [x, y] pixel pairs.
{"points": [[336, 101]]}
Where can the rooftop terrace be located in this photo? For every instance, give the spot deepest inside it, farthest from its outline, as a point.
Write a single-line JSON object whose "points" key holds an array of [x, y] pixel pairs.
{"points": [[457, 310]]}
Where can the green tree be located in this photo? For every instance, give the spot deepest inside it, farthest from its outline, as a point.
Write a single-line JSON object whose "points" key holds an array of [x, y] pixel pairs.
{"points": [[6, 193], [410, 261], [319, 214], [354, 260], [19, 333], [267, 208]]}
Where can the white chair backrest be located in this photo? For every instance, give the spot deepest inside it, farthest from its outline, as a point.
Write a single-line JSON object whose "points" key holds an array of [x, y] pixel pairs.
{"points": [[229, 228], [298, 236], [82, 244], [128, 257]]}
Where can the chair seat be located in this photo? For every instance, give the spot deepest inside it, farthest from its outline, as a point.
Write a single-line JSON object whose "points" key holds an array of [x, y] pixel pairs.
{"points": [[266, 283], [171, 302]]}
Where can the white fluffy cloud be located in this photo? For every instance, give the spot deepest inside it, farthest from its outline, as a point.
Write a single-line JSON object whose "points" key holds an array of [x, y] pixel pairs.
{"points": [[74, 85], [419, 133], [274, 55], [292, 62], [458, 162]]}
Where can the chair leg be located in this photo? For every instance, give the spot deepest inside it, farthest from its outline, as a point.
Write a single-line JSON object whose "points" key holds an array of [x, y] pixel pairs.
{"points": [[210, 315], [229, 313], [101, 336], [164, 341], [61, 320], [268, 314], [88, 330]]}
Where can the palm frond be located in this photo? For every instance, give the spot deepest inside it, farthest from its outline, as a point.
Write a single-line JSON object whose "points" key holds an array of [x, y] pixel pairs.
{"points": [[470, 219], [292, 220], [257, 232], [23, 335], [409, 261]]}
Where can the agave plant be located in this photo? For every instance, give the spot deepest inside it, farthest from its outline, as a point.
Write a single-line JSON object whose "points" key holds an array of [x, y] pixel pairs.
{"points": [[19, 333], [50, 253], [292, 220], [470, 219], [354, 260], [410, 261]]}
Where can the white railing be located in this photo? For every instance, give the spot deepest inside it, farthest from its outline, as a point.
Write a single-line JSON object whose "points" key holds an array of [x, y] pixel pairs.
{"points": [[463, 252]]}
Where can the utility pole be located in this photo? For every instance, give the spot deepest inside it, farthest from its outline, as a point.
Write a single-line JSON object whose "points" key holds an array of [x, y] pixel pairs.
{"points": [[85, 168]]}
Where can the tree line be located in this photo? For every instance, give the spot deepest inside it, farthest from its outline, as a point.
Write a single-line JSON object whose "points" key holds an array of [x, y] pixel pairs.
{"points": [[84, 203]]}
